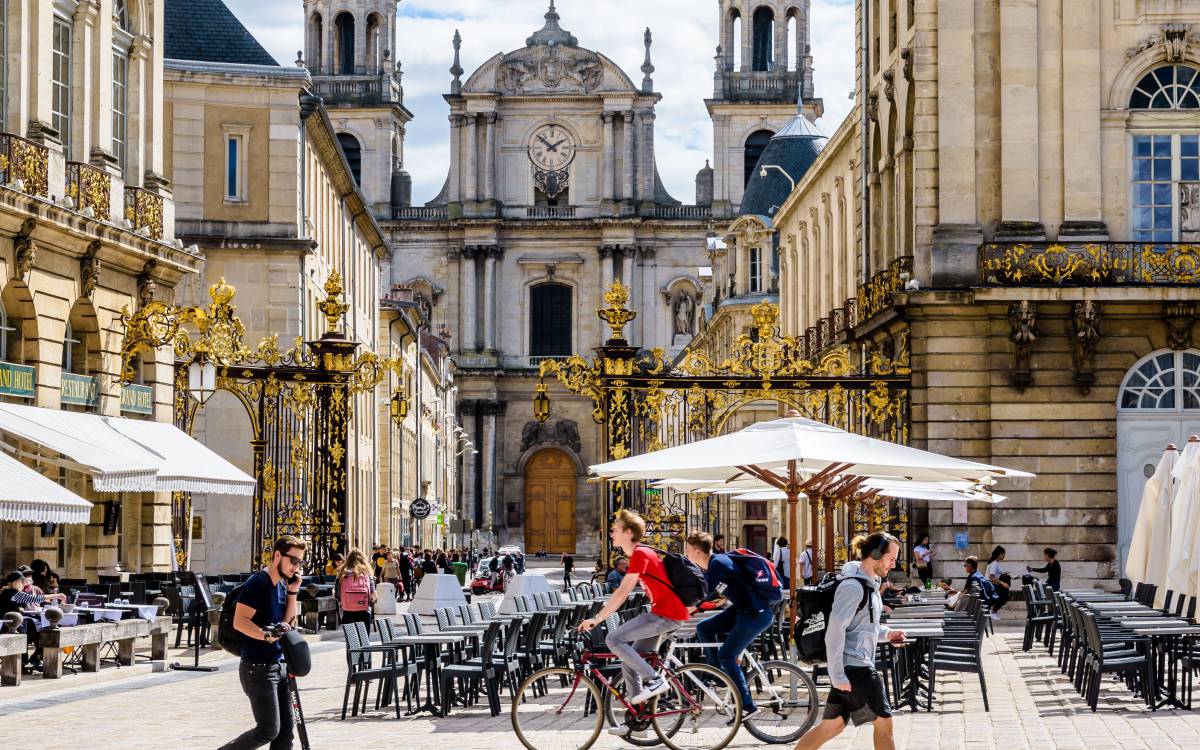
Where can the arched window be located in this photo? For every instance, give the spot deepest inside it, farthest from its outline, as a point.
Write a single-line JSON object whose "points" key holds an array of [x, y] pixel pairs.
{"points": [[793, 42], [353, 153], [316, 41], [550, 320], [735, 40], [755, 145], [5, 332], [344, 26], [71, 350], [374, 45], [122, 40], [13, 347], [1167, 87], [1166, 381], [764, 39]]}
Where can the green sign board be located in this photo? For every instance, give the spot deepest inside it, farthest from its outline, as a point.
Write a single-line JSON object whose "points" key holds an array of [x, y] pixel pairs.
{"points": [[17, 380], [137, 399], [79, 390]]}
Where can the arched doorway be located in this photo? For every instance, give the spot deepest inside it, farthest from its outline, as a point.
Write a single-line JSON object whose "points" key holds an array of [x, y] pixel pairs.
{"points": [[550, 502], [1159, 403]]}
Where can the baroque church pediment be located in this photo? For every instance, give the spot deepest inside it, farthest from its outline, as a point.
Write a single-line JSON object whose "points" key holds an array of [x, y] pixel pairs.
{"points": [[549, 70]]}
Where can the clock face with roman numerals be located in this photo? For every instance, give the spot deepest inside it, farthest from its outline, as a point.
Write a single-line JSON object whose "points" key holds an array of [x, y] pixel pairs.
{"points": [[551, 148]]}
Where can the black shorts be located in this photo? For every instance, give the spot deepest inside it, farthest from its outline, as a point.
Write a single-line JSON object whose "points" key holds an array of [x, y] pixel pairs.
{"points": [[866, 701]]}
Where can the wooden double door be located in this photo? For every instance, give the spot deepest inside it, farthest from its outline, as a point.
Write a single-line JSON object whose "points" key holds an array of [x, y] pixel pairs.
{"points": [[550, 502]]}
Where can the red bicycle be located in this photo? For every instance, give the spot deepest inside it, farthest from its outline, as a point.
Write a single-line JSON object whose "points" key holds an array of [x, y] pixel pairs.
{"points": [[562, 708]]}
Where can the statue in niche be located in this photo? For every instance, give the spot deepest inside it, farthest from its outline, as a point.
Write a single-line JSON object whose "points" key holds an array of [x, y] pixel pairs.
{"points": [[685, 314]]}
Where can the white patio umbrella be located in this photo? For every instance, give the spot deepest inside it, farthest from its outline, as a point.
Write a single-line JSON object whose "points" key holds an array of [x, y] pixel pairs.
{"points": [[1148, 552], [1184, 521], [798, 456]]}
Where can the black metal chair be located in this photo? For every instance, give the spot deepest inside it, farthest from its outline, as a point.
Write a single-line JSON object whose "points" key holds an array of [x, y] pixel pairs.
{"points": [[952, 655], [1102, 661], [1039, 615], [361, 670], [480, 672]]}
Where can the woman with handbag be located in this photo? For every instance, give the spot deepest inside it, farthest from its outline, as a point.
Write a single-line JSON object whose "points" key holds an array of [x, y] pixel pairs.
{"points": [[355, 589], [1001, 580]]}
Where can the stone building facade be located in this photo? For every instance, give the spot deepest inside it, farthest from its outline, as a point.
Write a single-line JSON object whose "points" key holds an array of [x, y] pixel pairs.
{"points": [[86, 231], [264, 189], [1028, 185]]}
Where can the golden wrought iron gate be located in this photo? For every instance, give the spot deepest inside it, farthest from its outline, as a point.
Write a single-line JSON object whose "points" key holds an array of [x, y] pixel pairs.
{"points": [[644, 403], [300, 403]]}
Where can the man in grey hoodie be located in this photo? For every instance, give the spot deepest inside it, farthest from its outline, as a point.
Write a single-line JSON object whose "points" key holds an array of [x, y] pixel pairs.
{"points": [[854, 630]]}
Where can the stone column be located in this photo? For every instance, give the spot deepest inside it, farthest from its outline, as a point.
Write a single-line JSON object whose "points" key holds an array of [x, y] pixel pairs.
{"points": [[647, 151], [489, 297], [470, 339], [747, 43], [606, 267], [455, 192], [85, 79], [610, 156], [487, 465], [489, 186], [627, 270], [1019, 163], [137, 120], [627, 167], [469, 162]]}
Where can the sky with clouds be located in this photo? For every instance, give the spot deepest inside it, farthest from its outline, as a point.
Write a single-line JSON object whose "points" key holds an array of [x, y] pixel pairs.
{"points": [[685, 39]]}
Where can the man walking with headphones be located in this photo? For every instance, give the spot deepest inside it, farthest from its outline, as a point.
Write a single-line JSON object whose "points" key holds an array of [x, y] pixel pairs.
{"points": [[853, 631]]}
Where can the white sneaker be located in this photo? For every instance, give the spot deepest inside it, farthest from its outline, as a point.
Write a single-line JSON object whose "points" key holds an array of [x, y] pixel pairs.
{"points": [[623, 731], [654, 687], [995, 615]]}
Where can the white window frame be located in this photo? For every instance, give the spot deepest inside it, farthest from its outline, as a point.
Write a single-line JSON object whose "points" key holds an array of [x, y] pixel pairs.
{"points": [[239, 134], [4, 329], [754, 271], [62, 118], [68, 356], [1176, 180], [122, 43], [1179, 376]]}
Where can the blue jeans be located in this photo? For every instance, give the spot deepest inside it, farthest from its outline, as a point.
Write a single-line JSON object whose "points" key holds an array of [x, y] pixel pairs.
{"points": [[735, 630], [266, 685]]}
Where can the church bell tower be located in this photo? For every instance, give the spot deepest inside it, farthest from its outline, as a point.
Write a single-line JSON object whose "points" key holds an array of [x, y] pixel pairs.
{"points": [[350, 50], [763, 69]]}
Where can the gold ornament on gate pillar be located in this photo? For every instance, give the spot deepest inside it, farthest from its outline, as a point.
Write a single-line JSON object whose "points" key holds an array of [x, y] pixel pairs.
{"points": [[616, 314], [332, 307]]}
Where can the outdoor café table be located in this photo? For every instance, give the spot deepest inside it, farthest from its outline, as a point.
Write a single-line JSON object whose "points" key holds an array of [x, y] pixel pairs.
{"points": [[143, 611], [913, 655], [433, 643], [100, 614], [1171, 643]]}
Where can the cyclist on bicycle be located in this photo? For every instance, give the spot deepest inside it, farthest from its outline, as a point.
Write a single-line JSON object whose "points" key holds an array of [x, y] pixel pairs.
{"points": [[735, 627], [641, 634]]}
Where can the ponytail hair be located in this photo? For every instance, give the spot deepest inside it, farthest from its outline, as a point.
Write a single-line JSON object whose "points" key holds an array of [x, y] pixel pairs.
{"points": [[863, 545]]}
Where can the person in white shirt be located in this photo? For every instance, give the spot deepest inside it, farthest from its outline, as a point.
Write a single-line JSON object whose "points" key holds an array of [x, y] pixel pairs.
{"points": [[999, 579], [781, 557], [923, 559], [804, 564]]}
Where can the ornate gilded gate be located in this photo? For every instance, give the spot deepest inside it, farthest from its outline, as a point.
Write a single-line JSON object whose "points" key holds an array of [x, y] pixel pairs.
{"points": [[644, 403], [299, 401]]}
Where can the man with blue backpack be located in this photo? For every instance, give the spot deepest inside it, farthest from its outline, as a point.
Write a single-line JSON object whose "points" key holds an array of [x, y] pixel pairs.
{"points": [[752, 586]]}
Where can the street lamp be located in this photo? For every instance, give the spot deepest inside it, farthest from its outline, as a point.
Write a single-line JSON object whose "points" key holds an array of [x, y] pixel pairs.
{"points": [[202, 380], [399, 406], [541, 404], [763, 173]]}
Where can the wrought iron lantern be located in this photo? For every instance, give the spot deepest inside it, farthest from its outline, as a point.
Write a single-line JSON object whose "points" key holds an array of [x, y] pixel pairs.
{"points": [[400, 405], [202, 380], [541, 404]]}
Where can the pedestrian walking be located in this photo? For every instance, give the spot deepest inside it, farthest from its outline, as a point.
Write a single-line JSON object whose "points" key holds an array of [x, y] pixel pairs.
{"points": [[355, 589], [923, 559], [568, 564], [781, 556]]}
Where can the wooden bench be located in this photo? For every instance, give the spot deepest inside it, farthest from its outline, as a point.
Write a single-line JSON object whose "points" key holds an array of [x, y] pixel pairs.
{"points": [[89, 638], [12, 652], [313, 610]]}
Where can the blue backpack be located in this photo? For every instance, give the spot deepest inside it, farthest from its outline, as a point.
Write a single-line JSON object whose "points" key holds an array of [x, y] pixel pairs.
{"points": [[760, 574]]}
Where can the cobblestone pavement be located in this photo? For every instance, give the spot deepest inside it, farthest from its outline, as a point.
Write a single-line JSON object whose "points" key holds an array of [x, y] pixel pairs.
{"points": [[1032, 705]]}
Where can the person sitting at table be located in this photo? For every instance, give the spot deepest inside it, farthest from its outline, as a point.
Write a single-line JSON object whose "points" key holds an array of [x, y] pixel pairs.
{"points": [[617, 574], [1052, 569], [41, 575], [999, 579], [14, 598]]}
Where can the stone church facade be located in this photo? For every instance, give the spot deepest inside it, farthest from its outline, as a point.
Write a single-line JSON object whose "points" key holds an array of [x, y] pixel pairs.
{"points": [[552, 195]]}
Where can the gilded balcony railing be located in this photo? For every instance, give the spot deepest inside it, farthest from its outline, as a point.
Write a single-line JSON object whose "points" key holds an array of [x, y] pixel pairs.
{"points": [[24, 163], [876, 295], [144, 210], [1089, 264], [90, 188]]}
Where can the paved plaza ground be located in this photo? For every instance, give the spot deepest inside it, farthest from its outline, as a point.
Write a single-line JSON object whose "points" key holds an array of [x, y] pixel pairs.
{"points": [[1032, 706]]}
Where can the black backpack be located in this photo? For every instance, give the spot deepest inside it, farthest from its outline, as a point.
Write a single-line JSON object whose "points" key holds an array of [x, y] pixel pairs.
{"points": [[813, 604], [759, 574], [684, 577], [229, 637]]}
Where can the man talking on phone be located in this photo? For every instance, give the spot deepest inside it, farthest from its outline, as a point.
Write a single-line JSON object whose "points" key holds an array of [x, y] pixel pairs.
{"points": [[268, 598]]}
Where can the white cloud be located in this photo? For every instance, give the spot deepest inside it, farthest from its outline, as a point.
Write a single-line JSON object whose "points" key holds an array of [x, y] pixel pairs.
{"points": [[685, 39]]}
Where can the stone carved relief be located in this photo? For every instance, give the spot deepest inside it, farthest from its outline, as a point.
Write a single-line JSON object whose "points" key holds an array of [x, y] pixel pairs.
{"points": [[1179, 317], [1022, 322], [146, 284], [1173, 38], [89, 271], [564, 432], [25, 249], [1085, 335], [550, 69]]}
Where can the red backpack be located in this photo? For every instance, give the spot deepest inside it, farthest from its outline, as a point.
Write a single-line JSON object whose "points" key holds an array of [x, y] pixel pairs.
{"points": [[355, 593]]}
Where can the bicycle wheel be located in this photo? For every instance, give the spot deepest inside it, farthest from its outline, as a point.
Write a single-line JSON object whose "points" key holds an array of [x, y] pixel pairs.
{"points": [[557, 709], [616, 713], [700, 711], [787, 700]]}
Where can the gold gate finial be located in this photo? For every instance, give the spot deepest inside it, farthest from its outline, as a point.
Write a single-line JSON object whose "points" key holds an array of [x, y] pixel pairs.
{"points": [[616, 314], [332, 307]]}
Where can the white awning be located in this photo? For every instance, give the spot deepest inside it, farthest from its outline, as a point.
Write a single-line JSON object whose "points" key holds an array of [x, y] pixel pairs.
{"points": [[28, 497], [126, 455]]}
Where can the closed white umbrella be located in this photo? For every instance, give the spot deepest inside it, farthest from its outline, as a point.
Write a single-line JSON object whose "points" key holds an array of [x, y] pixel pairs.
{"points": [[1184, 519], [1147, 558]]}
